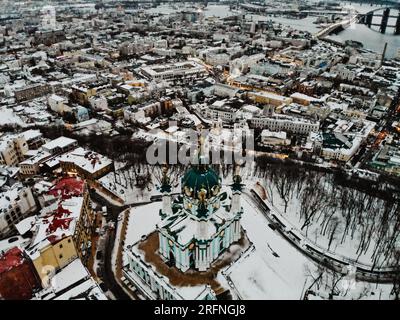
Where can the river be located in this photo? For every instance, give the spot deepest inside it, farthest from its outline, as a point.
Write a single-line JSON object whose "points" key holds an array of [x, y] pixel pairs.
{"points": [[371, 39]]}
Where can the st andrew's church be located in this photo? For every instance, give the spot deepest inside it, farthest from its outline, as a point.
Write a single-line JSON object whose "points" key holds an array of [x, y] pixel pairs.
{"points": [[202, 222]]}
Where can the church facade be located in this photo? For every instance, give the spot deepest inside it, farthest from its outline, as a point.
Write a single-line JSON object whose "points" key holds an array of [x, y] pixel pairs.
{"points": [[199, 225]]}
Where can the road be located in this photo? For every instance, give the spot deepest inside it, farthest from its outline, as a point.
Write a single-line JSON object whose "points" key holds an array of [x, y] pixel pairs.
{"points": [[108, 274]]}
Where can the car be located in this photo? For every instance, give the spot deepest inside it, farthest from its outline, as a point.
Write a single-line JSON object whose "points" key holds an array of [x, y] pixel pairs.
{"points": [[99, 272], [272, 226], [99, 255]]}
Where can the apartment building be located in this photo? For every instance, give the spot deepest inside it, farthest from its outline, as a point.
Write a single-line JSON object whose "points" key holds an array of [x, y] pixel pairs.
{"points": [[64, 230], [60, 145], [12, 149]]}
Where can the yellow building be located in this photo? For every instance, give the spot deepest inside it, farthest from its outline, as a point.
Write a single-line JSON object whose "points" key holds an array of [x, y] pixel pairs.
{"points": [[82, 94], [269, 98], [54, 257], [65, 231]]}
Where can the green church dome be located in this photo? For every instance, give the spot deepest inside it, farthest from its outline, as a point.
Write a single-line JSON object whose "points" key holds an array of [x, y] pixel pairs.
{"points": [[201, 182]]}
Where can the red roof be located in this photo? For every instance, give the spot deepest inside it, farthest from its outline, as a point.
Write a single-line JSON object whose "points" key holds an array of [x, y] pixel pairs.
{"points": [[61, 212], [67, 187], [11, 259], [53, 239], [56, 224]]}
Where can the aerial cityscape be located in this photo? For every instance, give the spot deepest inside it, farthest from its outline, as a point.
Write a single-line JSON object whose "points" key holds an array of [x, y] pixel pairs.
{"points": [[224, 150]]}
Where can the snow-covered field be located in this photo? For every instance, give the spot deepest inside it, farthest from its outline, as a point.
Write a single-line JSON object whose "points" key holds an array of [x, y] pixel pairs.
{"points": [[126, 183]]}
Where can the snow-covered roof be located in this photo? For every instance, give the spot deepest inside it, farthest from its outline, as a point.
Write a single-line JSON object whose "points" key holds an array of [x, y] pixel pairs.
{"points": [[25, 225], [59, 221], [90, 161], [73, 282], [31, 134], [60, 142], [9, 196], [14, 241]]}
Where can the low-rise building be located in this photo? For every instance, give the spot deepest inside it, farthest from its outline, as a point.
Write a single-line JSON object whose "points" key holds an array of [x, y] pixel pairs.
{"points": [[60, 145], [18, 277], [16, 203], [32, 166], [73, 282], [271, 138], [64, 229], [12, 149], [286, 123], [86, 164], [180, 71], [58, 103], [269, 98]]}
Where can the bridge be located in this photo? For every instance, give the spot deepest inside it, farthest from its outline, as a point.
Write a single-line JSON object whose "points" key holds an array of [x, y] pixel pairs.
{"points": [[335, 26], [367, 19]]}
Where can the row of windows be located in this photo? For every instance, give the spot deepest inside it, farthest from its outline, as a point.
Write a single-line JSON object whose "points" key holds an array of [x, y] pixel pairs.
{"points": [[146, 278], [14, 216]]}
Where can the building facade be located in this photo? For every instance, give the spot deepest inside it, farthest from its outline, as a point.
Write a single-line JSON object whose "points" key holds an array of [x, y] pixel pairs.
{"points": [[15, 204]]}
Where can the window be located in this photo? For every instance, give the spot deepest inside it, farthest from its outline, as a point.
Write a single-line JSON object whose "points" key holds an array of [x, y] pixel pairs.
{"points": [[61, 246], [60, 256]]}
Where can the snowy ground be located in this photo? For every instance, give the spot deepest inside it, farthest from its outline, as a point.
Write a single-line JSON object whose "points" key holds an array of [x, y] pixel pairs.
{"points": [[349, 247], [261, 275], [142, 221], [123, 183]]}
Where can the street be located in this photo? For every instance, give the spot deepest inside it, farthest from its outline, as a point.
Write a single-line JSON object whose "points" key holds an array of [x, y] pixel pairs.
{"points": [[107, 271]]}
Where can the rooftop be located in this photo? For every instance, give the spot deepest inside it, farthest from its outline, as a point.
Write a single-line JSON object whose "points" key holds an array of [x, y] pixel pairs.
{"points": [[11, 259], [90, 161], [60, 142]]}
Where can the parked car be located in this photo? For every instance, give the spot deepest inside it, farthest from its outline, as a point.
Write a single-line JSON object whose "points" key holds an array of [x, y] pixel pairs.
{"points": [[99, 255], [99, 272]]}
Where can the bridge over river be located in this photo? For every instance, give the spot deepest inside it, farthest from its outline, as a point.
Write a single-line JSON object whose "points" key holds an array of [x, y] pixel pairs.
{"points": [[369, 19], [385, 15]]}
